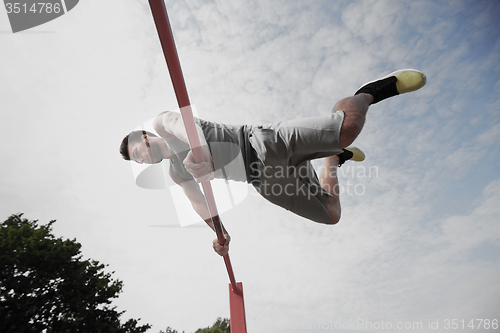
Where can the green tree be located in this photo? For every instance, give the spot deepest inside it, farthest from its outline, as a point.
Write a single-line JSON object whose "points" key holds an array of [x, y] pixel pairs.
{"points": [[220, 326], [170, 330], [45, 284]]}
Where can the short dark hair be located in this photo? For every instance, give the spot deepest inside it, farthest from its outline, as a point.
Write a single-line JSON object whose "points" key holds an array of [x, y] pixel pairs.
{"points": [[132, 137]]}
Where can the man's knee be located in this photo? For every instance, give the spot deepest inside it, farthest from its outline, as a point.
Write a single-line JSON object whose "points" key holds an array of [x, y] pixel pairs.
{"points": [[334, 218], [352, 126], [334, 210], [343, 104]]}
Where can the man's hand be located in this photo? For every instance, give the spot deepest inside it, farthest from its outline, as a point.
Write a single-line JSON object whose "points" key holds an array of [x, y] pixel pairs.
{"points": [[202, 171], [222, 250]]}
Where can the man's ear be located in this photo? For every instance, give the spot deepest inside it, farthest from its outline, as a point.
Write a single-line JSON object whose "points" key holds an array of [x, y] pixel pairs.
{"points": [[146, 139]]}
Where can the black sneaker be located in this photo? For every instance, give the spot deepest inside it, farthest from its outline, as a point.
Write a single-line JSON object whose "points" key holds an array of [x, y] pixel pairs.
{"points": [[399, 82], [351, 153]]}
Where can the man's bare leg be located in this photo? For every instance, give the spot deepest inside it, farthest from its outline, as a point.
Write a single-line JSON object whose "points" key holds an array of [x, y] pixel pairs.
{"points": [[355, 107], [328, 180]]}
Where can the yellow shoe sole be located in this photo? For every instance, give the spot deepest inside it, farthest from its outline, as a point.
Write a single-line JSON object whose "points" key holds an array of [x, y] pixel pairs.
{"points": [[408, 80], [358, 154]]}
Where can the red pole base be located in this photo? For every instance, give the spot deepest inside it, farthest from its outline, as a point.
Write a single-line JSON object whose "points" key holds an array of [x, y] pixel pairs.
{"points": [[237, 309]]}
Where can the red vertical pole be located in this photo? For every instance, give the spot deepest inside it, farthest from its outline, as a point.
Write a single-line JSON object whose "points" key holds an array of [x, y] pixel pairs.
{"points": [[237, 307], [167, 42]]}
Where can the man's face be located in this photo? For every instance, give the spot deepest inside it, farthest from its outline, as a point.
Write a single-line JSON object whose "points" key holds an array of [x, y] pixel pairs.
{"points": [[142, 150]]}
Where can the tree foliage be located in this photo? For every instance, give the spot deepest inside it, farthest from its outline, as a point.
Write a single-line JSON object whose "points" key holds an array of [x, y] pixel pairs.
{"points": [[45, 284], [220, 326], [170, 330]]}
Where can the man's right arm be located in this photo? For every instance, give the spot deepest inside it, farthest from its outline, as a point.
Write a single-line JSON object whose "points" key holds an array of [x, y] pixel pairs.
{"points": [[197, 198]]}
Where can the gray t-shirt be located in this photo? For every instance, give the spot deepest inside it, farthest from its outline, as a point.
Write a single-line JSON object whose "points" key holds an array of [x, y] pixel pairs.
{"points": [[229, 146]]}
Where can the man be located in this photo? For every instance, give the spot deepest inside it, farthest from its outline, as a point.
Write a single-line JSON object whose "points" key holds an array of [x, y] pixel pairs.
{"points": [[275, 159]]}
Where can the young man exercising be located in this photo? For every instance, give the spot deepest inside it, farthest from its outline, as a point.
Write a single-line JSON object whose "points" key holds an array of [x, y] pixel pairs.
{"points": [[275, 159]]}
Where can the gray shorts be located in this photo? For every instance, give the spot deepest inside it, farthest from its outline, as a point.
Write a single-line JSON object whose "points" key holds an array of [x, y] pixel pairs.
{"points": [[282, 172]]}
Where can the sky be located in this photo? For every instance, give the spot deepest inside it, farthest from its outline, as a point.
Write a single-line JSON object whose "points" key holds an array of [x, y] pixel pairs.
{"points": [[418, 244]]}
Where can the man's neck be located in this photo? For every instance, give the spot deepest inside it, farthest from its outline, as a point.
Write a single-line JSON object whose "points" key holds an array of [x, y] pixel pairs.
{"points": [[165, 152]]}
